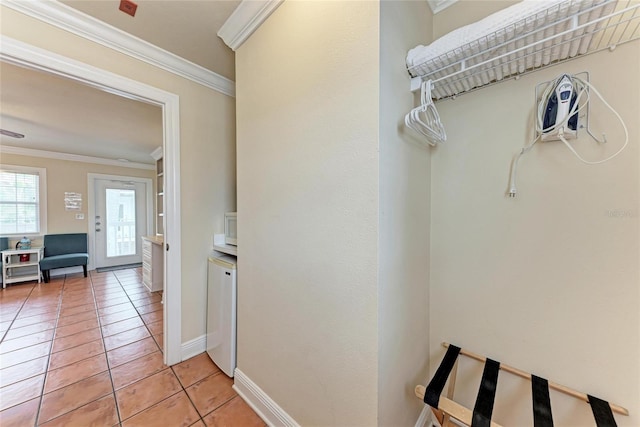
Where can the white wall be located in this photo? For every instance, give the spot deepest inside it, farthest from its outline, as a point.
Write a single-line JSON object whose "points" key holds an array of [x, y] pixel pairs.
{"points": [[68, 176], [307, 147], [405, 181], [549, 281]]}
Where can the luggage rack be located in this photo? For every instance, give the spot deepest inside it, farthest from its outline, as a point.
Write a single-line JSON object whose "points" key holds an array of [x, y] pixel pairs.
{"points": [[446, 409]]}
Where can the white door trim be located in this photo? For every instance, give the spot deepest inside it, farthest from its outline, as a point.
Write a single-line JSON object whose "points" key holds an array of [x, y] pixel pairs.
{"points": [[91, 207], [20, 53]]}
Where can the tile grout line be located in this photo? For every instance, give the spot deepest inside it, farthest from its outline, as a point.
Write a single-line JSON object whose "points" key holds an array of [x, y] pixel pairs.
{"points": [[151, 335], [144, 322], [155, 404], [17, 312], [66, 288], [87, 403], [191, 400], [160, 348], [5, 334], [187, 394], [113, 391], [46, 372], [4, 340], [184, 389], [75, 382], [113, 388]]}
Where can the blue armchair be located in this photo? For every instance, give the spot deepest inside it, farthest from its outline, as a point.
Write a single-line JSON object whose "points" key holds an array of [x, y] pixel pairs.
{"points": [[64, 250]]}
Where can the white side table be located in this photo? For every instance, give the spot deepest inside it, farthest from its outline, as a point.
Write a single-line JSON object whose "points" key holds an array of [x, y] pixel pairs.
{"points": [[14, 271]]}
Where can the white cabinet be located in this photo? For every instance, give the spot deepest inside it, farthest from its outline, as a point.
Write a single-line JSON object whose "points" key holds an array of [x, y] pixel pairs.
{"points": [[21, 265], [221, 312], [152, 263]]}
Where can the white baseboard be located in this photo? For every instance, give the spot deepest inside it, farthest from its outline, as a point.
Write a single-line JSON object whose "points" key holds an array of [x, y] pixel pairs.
{"points": [[60, 272], [260, 402], [67, 270], [194, 347]]}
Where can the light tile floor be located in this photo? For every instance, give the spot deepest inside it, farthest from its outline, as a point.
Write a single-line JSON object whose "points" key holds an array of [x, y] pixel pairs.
{"points": [[88, 352]]}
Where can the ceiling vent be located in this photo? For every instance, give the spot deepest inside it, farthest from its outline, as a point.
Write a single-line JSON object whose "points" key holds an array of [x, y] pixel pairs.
{"points": [[11, 134]]}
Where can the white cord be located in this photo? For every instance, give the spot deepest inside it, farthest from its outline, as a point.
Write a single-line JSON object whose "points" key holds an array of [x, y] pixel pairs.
{"points": [[582, 87], [512, 188], [624, 127]]}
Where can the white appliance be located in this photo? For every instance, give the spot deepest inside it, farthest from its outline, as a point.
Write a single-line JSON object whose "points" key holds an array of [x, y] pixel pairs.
{"points": [[221, 312], [231, 228]]}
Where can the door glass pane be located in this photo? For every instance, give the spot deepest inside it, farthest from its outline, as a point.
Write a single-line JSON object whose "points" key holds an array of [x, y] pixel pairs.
{"points": [[121, 222]]}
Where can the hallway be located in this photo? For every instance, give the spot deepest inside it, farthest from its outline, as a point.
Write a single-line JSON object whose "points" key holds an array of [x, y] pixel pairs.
{"points": [[88, 351]]}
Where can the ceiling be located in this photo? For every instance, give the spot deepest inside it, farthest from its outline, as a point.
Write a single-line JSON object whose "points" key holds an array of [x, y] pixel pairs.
{"points": [[184, 27], [60, 115]]}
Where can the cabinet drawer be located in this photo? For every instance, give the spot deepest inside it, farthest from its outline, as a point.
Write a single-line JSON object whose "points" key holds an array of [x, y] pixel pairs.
{"points": [[146, 278], [152, 265]]}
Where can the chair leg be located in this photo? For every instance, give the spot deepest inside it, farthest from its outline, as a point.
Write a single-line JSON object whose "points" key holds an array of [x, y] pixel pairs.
{"points": [[84, 269], [45, 273]]}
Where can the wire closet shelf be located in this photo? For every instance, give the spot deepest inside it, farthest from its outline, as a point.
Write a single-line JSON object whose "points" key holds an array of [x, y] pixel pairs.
{"points": [[554, 35]]}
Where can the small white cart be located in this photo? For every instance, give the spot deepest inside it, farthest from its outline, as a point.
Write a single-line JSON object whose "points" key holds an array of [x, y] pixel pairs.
{"points": [[15, 271]]}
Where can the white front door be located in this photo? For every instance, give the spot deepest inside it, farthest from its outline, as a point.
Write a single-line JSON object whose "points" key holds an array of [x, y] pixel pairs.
{"points": [[120, 222]]}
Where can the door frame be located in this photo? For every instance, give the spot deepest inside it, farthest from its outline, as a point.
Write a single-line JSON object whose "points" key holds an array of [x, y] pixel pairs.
{"points": [[22, 54], [91, 207]]}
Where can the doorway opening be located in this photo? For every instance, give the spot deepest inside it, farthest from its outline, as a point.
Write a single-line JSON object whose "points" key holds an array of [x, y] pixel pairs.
{"points": [[120, 213], [22, 54]]}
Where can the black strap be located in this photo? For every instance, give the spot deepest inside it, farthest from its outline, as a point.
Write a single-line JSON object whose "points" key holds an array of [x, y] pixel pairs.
{"points": [[434, 389], [541, 402], [483, 409], [602, 412]]}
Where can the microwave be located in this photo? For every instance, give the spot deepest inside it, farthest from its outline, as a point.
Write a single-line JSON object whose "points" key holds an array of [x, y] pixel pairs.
{"points": [[231, 228]]}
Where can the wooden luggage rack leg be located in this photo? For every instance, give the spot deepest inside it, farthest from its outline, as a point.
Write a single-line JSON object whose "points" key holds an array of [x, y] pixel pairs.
{"points": [[446, 408], [446, 418]]}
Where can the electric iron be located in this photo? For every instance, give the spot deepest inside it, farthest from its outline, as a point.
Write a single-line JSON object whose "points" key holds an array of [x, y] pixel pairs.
{"points": [[559, 103]]}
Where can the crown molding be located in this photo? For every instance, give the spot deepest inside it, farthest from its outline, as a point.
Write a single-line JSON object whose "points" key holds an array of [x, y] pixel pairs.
{"points": [[156, 154], [71, 20], [439, 5], [5, 149], [247, 18]]}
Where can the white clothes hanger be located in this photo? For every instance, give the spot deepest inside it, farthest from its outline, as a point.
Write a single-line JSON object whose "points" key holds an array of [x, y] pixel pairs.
{"points": [[425, 119]]}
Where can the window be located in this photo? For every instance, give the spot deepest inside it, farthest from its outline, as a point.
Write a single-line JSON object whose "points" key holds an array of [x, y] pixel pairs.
{"points": [[23, 200]]}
